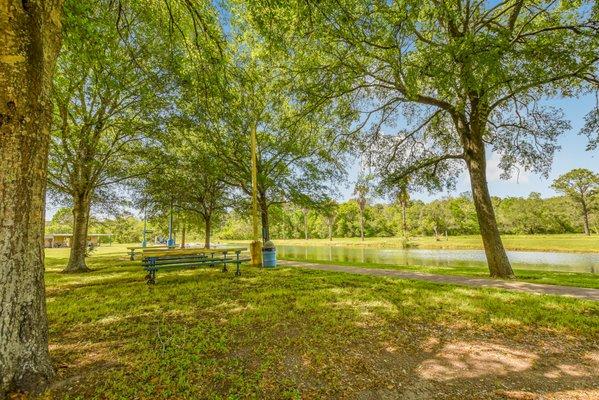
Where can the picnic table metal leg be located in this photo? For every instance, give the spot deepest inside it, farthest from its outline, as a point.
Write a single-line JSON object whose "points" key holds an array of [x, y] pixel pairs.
{"points": [[132, 255], [238, 272], [151, 277], [225, 262]]}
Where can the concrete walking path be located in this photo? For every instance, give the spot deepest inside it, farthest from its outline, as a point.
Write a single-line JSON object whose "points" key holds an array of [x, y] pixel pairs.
{"points": [[536, 288]]}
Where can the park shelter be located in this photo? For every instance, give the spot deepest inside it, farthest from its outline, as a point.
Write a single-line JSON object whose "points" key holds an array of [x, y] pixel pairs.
{"points": [[64, 239]]}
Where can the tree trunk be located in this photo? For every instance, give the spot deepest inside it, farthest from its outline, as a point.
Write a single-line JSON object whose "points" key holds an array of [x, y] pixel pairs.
{"points": [[585, 217], [305, 212], [81, 206], [331, 221], [404, 220], [207, 231], [30, 39], [362, 223], [264, 220], [499, 264]]}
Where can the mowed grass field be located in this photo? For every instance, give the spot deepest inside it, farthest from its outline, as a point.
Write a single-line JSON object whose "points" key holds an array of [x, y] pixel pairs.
{"points": [[565, 243], [298, 334]]}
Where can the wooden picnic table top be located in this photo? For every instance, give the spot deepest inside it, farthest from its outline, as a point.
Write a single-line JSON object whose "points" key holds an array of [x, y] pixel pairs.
{"points": [[200, 250], [147, 247]]}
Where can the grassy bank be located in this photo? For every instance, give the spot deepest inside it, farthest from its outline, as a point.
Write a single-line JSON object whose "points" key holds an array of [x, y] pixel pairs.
{"points": [[292, 333], [564, 243]]}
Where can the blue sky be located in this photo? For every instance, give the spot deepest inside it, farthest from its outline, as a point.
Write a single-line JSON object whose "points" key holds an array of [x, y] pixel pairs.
{"points": [[571, 155]]}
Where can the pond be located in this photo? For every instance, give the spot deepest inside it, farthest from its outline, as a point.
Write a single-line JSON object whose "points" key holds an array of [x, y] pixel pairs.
{"points": [[548, 261]]}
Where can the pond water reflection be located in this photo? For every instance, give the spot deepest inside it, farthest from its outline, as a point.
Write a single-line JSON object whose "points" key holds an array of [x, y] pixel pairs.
{"points": [[548, 261]]}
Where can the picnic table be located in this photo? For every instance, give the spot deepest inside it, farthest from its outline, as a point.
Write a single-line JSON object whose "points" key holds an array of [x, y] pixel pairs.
{"points": [[132, 249], [154, 259]]}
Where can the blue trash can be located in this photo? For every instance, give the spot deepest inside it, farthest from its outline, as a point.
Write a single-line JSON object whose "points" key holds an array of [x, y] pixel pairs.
{"points": [[269, 258], [269, 255]]}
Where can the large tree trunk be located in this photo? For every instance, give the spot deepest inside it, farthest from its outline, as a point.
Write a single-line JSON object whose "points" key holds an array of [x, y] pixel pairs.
{"points": [[29, 43], [81, 208], [265, 222], [207, 231], [499, 264]]}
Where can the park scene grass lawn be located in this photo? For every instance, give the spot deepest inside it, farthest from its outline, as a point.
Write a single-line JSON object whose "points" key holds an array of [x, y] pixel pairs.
{"points": [[292, 333]]}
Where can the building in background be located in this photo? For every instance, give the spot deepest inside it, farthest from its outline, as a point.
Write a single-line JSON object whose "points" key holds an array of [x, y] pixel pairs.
{"points": [[64, 239]]}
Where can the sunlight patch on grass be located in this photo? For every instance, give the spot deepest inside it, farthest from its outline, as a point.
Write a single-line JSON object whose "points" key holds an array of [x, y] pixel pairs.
{"points": [[569, 370], [234, 307], [468, 360], [582, 394]]}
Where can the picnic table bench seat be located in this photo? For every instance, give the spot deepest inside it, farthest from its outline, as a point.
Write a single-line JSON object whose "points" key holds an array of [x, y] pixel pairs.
{"points": [[154, 259]]}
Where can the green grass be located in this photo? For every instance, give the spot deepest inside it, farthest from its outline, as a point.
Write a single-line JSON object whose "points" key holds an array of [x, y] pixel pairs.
{"points": [[291, 333], [563, 243]]}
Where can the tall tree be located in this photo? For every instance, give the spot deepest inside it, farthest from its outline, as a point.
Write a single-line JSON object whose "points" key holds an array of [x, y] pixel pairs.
{"points": [[296, 155], [30, 32], [403, 198], [362, 191], [461, 76], [580, 185], [329, 209], [106, 96]]}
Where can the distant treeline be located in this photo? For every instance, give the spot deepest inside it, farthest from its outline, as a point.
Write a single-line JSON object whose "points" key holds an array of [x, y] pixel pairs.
{"points": [[452, 216]]}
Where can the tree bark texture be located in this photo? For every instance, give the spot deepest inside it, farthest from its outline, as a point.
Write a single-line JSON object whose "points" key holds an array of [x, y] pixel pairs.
{"points": [[81, 209], [585, 217], [265, 221], [29, 44], [497, 260]]}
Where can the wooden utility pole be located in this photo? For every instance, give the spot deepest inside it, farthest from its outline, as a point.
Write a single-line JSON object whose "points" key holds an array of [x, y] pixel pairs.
{"points": [[256, 245]]}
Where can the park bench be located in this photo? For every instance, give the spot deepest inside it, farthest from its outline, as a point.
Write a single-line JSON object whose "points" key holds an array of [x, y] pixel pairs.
{"points": [[154, 259], [131, 250]]}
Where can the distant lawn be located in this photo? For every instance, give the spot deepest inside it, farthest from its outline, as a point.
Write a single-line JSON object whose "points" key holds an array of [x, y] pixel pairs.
{"points": [[565, 243], [292, 333]]}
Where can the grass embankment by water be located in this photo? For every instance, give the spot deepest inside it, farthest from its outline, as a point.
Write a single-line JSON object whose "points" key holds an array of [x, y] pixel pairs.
{"points": [[291, 333]]}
